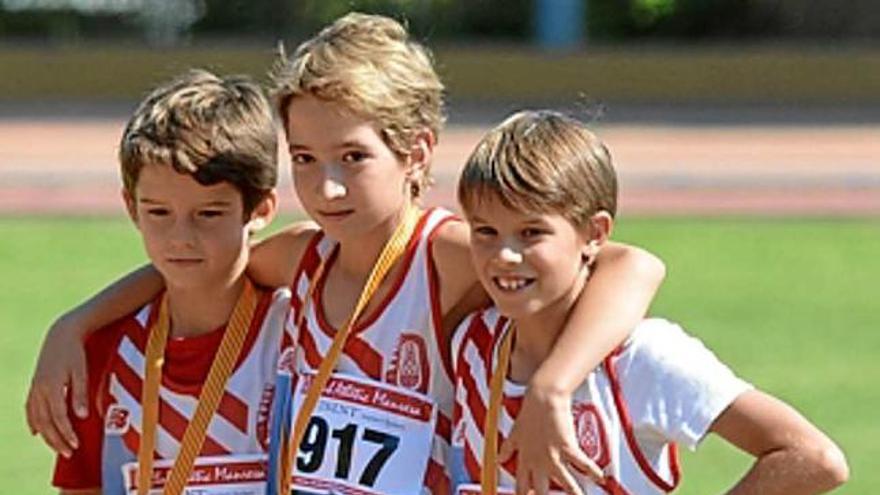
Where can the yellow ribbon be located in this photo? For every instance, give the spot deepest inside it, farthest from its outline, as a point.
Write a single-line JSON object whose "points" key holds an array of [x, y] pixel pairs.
{"points": [[209, 399], [391, 252], [489, 477]]}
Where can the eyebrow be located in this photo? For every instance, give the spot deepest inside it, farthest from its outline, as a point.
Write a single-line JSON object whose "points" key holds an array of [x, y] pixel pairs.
{"points": [[342, 145], [216, 202]]}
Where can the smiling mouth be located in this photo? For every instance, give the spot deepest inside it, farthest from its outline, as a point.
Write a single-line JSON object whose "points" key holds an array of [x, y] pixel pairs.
{"points": [[512, 284]]}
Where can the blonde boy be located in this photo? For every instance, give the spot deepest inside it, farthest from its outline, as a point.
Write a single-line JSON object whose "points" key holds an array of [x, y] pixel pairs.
{"points": [[199, 167], [540, 194]]}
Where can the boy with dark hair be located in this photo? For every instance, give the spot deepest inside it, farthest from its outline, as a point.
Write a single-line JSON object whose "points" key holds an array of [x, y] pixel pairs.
{"points": [[187, 379]]}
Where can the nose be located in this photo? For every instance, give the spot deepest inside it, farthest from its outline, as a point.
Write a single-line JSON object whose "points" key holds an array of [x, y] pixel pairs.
{"points": [[332, 185], [182, 231], [509, 255]]}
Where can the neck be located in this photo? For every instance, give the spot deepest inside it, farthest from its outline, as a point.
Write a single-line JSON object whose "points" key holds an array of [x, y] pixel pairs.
{"points": [[357, 257], [200, 310], [536, 334]]}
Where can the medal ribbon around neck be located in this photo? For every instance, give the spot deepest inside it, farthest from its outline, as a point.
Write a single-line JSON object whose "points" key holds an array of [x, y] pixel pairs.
{"points": [[209, 398], [391, 252], [489, 475]]}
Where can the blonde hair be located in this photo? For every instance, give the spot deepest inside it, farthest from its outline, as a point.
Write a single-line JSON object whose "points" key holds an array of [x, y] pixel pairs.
{"points": [[369, 65], [542, 162], [215, 129]]}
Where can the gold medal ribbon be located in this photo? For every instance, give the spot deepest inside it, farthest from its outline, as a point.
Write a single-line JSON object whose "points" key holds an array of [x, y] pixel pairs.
{"points": [[391, 252], [489, 476], [209, 398]]}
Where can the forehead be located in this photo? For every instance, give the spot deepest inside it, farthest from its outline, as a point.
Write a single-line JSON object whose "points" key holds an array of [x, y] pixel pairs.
{"points": [[313, 121], [490, 208], [163, 183]]}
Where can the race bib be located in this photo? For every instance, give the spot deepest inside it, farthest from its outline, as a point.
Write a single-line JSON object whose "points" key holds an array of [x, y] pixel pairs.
{"points": [[227, 475], [364, 438]]}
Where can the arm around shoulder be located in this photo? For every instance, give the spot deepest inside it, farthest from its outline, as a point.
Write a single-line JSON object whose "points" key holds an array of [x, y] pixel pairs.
{"points": [[273, 260], [460, 290], [61, 366], [793, 457]]}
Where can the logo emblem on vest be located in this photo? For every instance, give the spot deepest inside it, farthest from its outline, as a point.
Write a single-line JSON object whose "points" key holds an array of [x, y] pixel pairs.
{"points": [[287, 362], [409, 368], [117, 421], [591, 433]]}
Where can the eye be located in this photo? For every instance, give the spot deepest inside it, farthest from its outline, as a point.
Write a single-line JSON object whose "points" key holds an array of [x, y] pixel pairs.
{"points": [[484, 231], [354, 156], [532, 233], [157, 211], [301, 158], [211, 213]]}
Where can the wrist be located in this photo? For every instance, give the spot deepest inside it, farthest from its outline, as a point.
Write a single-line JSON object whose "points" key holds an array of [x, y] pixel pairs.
{"points": [[549, 390]]}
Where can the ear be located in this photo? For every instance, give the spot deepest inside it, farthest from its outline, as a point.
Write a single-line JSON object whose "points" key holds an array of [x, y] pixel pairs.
{"points": [[130, 206], [264, 212], [597, 232], [420, 155]]}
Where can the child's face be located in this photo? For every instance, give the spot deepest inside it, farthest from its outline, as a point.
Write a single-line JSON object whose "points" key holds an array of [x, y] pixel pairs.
{"points": [[346, 177], [194, 234], [529, 263]]}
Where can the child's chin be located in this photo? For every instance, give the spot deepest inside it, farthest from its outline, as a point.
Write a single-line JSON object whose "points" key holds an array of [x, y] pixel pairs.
{"points": [[516, 310]]}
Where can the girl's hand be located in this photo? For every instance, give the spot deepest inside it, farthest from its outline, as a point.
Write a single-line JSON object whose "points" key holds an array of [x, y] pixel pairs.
{"points": [[60, 372], [543, 436]]}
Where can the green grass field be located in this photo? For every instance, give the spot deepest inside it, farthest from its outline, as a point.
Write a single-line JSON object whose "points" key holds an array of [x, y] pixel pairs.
{"points": [[790, 304]]}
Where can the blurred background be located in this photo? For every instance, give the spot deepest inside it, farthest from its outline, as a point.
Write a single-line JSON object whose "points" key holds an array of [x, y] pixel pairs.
{"points": [[746, 134]]}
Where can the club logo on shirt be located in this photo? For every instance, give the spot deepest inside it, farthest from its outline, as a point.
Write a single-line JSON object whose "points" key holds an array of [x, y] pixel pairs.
{"points": [[287, 362], [591, 433], [409, 366], [117, 421]]}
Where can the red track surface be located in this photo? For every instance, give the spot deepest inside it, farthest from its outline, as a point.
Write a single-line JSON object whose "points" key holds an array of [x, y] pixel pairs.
{"points": [[62, 167]]}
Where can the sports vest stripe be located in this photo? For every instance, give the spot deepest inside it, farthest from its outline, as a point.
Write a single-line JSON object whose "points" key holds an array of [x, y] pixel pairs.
{"points": [[599, 411], [240, 425], [398, 343]]}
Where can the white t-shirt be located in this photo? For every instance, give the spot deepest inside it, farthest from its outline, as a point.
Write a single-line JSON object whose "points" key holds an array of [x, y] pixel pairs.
{"points": [[660, 388]]}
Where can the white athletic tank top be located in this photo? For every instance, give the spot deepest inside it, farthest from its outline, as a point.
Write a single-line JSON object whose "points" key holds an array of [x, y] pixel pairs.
{"points": [[399, 343]]}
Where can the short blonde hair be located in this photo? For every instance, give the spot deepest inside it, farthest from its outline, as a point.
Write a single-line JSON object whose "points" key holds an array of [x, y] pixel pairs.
{"points": [[541, 162], [215, 129], [369, 65]]}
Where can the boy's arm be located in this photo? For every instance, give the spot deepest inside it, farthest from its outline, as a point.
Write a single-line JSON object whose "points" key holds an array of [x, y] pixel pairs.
{"points": [[61, 365], [616, 298], [793, 456], [274, 260]]}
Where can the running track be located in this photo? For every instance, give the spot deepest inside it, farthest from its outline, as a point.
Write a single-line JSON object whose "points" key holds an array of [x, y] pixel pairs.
{"points": [[65, 166]]}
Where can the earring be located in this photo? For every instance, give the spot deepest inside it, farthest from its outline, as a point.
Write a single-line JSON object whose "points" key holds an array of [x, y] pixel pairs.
{"points": [[257, 224], [589, 255]]}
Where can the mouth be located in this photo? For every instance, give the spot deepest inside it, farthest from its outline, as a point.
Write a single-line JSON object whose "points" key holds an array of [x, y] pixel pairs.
{"points": [[184, 261], [335, 214], [512, 283]]}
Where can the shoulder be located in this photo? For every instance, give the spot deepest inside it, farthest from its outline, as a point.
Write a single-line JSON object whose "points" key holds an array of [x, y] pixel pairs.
{"points": [[451, 242], [657, 344], [99, 343], [273, 305], [672, 383], [478, 329], [450, 251], [274, 260]]}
